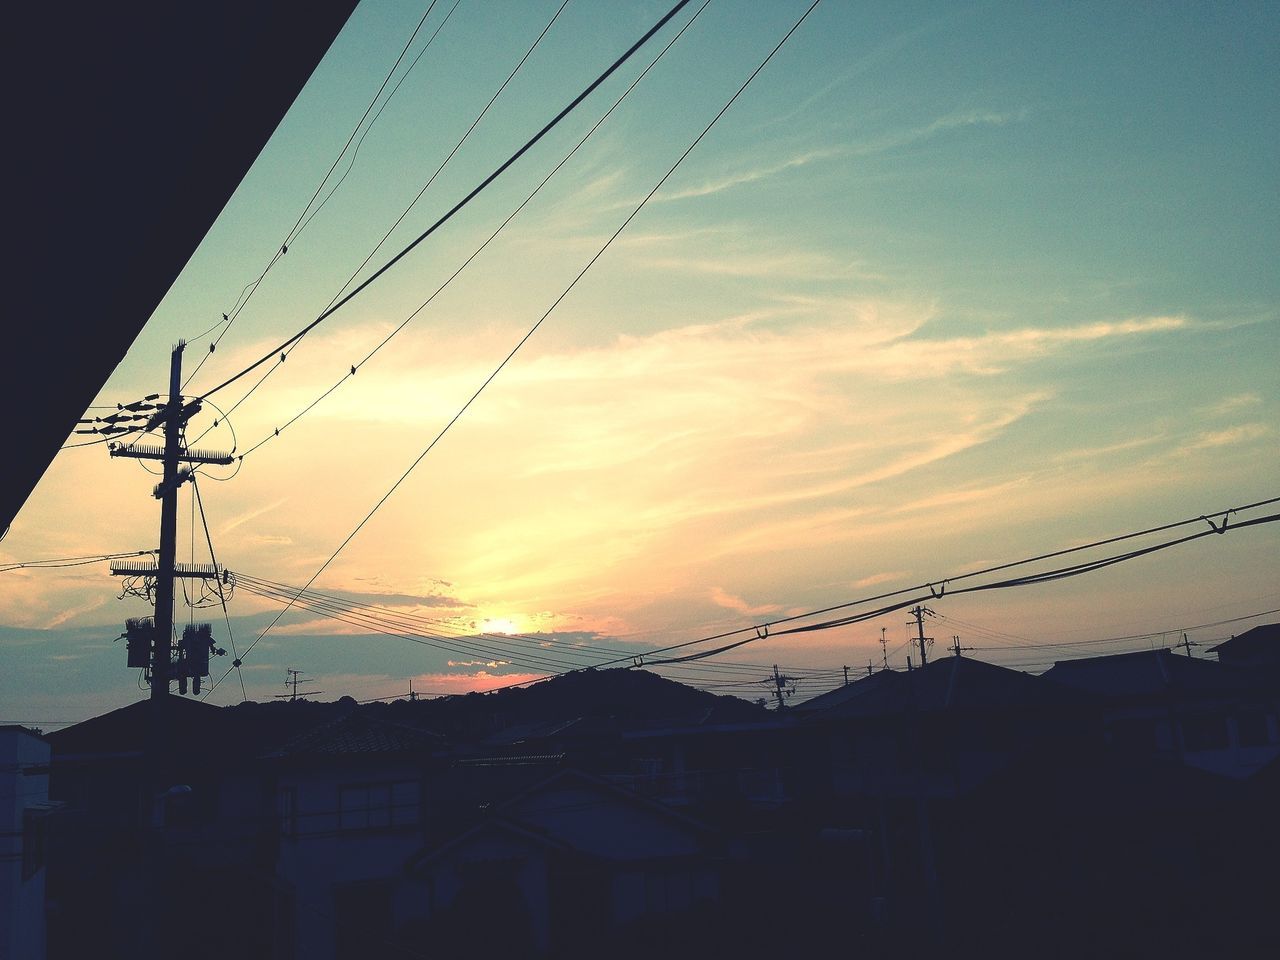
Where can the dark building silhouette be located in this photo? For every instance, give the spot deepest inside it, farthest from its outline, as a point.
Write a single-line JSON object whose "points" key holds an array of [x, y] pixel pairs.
{"points": [[961, 808]]}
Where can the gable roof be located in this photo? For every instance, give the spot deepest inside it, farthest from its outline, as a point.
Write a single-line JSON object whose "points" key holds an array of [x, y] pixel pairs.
{"points": [[1148, 673], [948, 684], [1262, 643], [356, 735]]}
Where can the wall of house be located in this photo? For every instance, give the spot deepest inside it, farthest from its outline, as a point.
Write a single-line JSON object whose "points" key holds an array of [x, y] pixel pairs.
{"points": [[22, 871], [344, 832]]}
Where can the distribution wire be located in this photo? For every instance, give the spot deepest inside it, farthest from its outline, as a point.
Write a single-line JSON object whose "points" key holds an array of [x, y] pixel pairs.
{"points": [[247, 293], [761, 631], [533, 329], [502, 168], [1037, 578], [937, 588], [1135, 636], [404, 213], [476, 253], [457, 645], [394, 90], [222, 596], [58, 562], [375, 616]]}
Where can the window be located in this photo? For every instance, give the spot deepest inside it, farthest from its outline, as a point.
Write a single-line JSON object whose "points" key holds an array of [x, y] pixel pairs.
{"points": [[369, 806]]}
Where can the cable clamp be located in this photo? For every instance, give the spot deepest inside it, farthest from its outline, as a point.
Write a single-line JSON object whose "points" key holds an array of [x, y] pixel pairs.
{"points": [[638, 660], [938, 593], [1217, 528], [762, 632]]}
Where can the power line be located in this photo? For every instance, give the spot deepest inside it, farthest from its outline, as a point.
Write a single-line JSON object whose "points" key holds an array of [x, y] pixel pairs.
{"points": [[533, 329], [551, 124], [762, 631], [57, 562], [404, 213], [937, 588], [1136, 636], [251, 288], [476, 253]]}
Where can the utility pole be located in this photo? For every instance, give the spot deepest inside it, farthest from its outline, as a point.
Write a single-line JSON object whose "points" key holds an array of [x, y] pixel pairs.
{"points": [[846, 676], [955, 646], [780, 682], [1187, 644], [884, 652], [919, 612], [162, 656], [174, 416]]}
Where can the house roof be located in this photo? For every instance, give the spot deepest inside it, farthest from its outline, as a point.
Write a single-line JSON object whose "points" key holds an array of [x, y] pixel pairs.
{"points": [[1148, 673], [357, 734], [947, 684], [514, 816], [1260, 643]]}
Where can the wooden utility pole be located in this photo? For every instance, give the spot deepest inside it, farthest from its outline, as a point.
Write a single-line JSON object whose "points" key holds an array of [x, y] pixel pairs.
{"points": [[173, 415], [919, 612], [162, 652]]}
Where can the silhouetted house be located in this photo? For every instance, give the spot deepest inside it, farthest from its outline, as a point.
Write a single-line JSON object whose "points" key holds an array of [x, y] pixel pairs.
{"points": [[1259, 647], [1212, 716], [565, 866], [937, 730], [351, 797], [25, 812]]}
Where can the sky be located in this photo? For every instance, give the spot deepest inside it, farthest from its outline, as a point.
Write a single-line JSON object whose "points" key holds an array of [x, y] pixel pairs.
{"points": [[947, 286]]}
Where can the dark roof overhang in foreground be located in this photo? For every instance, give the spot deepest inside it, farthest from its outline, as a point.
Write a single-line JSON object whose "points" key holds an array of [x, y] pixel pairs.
{"points": [[131, 125]]}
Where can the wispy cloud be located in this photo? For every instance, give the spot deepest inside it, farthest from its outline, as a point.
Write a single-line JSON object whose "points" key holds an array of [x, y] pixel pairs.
{"points": [[721, 598]]}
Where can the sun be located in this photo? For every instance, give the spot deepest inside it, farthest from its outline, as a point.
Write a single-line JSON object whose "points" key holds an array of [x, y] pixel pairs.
{"points": [[499, 625]]}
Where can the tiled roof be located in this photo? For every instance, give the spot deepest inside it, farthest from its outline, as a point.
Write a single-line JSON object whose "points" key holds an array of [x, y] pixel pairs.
{"points": [[949, 683], [1148, 673], [355, 734]]}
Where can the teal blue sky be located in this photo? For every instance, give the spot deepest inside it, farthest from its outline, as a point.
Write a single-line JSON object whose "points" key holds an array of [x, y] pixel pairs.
{"points": [[948, 285]]}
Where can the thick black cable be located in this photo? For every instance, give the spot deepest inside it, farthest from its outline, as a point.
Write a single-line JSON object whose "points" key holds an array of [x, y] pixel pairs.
{"points": [[680, 4], [476, 253], [404, 213], [934, 585], [1046, 577]]}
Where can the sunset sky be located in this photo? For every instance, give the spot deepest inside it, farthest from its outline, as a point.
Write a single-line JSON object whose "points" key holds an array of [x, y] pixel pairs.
{"points": [[947, 286]]}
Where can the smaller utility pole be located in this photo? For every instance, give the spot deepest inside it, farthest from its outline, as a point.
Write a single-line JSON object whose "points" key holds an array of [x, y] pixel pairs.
{"points": [[1187, 644], [846, 675], [884, 652], [919, 612], [780, 688]]}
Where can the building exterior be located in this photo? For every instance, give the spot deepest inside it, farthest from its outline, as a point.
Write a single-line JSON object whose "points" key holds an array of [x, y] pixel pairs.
{"points": [[26, 811]]}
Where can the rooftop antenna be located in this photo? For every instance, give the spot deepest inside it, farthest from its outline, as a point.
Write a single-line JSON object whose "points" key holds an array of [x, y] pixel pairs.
{"points": [[293, 681]]}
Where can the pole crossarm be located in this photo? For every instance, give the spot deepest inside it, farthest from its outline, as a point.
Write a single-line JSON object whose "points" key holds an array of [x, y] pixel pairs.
{"points": [[145, 568], [142, 451]]}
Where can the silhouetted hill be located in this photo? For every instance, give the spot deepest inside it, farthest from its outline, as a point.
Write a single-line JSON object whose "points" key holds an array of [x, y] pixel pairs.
{"points": [[627, 698]]}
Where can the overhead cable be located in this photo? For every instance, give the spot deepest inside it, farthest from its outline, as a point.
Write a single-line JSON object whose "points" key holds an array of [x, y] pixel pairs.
{"points": [[537, 324], [547, 128]]}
